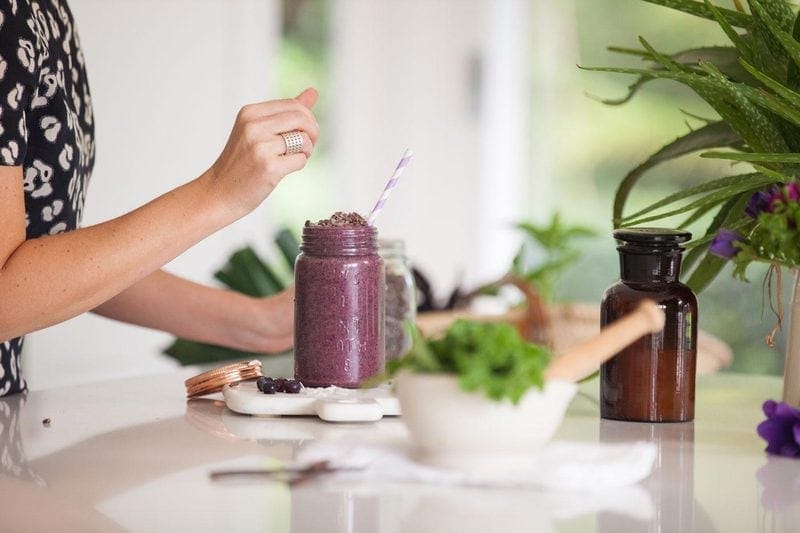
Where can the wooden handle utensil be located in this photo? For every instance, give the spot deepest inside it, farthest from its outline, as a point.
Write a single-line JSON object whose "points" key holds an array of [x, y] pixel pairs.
{"points": [[586, 358]]}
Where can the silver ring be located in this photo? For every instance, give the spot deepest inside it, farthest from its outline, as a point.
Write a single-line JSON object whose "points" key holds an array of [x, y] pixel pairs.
{"points": [[294, 142]]}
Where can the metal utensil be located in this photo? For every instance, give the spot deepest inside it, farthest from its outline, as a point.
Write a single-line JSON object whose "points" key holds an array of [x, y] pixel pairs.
{"points": [[292, 475]]}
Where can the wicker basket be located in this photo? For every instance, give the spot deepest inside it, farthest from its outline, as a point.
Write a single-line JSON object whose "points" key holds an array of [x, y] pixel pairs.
{"points": [[564, 325]]}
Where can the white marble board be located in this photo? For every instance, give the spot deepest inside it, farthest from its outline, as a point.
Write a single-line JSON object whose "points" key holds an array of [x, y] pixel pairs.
{"points": [[332, 404]]}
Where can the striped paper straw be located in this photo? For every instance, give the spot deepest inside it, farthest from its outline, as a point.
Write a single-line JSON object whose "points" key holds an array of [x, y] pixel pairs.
{"points": [[401, 166]]}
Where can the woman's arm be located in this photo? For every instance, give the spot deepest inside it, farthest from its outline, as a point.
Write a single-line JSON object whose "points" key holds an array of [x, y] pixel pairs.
{"points": [[206, 314], [47, 280]]}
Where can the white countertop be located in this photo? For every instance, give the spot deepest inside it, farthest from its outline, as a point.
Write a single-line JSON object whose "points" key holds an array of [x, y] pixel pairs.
{"points": [[135, 455]]}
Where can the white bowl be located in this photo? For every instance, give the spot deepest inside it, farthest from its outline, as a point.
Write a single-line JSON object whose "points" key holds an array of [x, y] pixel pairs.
{"points": [[462, 430]]}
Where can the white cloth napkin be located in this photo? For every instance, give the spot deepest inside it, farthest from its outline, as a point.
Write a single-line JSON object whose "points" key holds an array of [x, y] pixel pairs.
{"points": [[561, 466]]}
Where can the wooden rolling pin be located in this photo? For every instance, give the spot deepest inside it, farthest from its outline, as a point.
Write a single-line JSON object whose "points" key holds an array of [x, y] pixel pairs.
{"points": [[585, 359]]}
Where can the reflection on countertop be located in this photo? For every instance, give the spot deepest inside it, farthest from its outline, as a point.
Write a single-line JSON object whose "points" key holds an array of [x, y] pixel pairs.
{"points": [[135, 455]]}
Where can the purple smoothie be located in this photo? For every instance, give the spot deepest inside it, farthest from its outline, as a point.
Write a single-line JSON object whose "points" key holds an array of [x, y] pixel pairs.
{"points": [[339, 290]]}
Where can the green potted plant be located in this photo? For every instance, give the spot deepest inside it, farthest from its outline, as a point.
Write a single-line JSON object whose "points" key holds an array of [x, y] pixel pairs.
{"points": [[545, 253], [753, 83]]}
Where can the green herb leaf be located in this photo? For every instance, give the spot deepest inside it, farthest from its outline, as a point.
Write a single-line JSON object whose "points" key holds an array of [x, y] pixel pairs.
{"points": [[555, 242], [490, 357], [288, 246], [195, 353]]}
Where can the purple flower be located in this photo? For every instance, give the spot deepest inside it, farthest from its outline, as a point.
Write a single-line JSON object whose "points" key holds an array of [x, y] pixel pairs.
{"points": [[723, 243], [781, 429], [757, 204], [783, 195], [793, 192]]}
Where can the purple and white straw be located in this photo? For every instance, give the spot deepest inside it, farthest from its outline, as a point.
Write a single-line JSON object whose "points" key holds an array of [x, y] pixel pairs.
{"points": [[401, 166]]}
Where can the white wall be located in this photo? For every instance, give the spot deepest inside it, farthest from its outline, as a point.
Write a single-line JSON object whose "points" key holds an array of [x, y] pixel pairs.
{"points": [[448, 79], [167, 77]]}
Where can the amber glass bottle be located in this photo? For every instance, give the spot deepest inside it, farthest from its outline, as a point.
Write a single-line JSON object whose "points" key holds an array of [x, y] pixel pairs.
{"points": [[652, 380]]}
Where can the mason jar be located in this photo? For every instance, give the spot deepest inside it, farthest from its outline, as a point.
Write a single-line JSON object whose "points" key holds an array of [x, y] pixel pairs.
{"points": [[400, 298], [339, 319]]}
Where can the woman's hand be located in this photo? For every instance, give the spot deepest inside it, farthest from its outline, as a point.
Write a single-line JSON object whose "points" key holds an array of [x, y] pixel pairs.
{"points": [[105, 260], [277, 317], [207, 314], [253, 161]]}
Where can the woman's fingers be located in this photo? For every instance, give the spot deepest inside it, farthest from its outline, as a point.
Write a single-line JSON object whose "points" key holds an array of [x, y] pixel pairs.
{"points": [[275, 145], [254, 160], [303, 103], [308, 145], [308, 97], [291, 121], [286, 164]]}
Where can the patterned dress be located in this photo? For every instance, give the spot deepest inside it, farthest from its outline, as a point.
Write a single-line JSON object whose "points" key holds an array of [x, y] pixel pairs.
{"points": [[46, 127]]}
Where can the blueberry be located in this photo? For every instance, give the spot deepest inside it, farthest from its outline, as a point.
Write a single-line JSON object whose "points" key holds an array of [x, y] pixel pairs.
{"points": [[293, 386], [260, 382], [281, 383], [270, 387]]}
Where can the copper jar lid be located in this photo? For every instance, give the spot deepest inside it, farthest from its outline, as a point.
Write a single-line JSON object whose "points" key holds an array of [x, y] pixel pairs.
{"points": [[214, 380]]}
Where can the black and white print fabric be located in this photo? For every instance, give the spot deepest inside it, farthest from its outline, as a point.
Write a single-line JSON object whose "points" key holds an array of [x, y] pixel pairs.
{"points": [[46, 127], [13, 462]]}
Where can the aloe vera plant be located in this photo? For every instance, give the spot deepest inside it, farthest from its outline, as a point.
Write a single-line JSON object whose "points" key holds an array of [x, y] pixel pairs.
{"points": [[753, 84], [246, 272]]}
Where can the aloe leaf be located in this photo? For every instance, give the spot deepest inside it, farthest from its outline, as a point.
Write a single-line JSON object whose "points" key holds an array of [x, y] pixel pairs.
{"points": [[720, 183], [740, 225], [699, 9], [711, 265], [708, 269], [662, 59], [781, 157], [778, 177], [772, 103], [706, 83], [763, 38], [734, 37], [629, 51], [714, 135], [714, 197], [788, 94], [698, 246], [633, 88], [697, 215], [793, 69], [764, 136], [288, 246], [778, 12], [778, 30], [726, 58]]}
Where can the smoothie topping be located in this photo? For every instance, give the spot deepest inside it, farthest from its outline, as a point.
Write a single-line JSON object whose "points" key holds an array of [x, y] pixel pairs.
{"points": [[339, 219]]}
